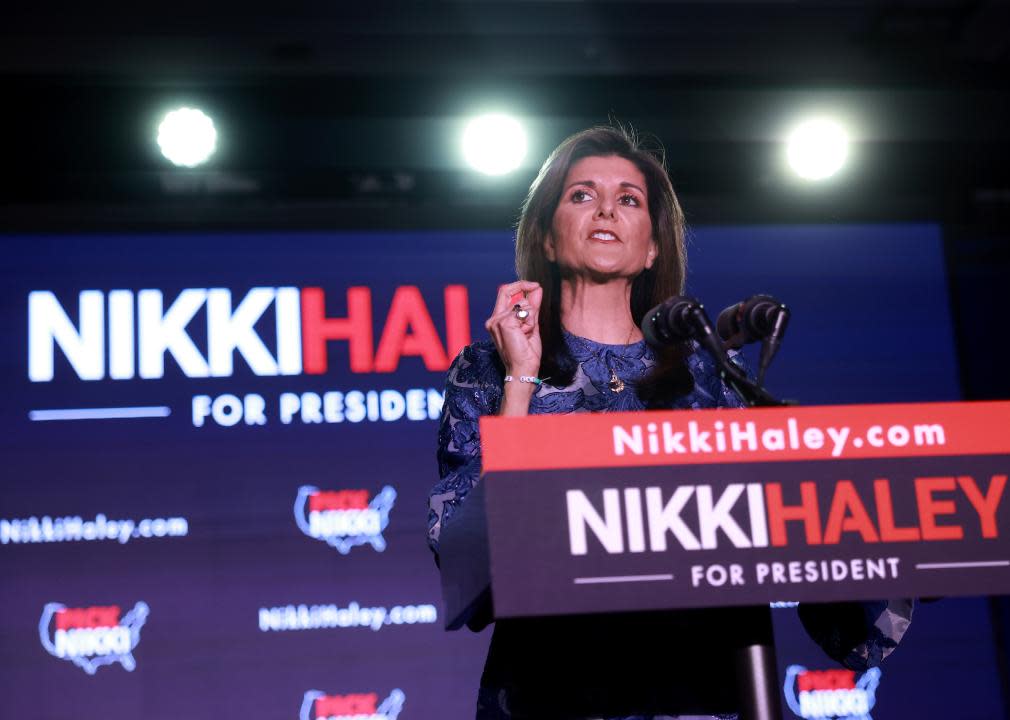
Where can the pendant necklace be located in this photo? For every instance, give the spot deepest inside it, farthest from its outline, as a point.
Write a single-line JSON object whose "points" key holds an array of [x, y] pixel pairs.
{"points": [[615, 384]]}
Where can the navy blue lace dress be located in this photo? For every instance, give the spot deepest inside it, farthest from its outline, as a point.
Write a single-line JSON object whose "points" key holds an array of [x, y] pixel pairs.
{"points": [[582, 667]]}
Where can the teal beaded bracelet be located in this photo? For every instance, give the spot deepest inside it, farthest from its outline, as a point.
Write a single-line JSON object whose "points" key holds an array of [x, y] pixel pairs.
{"points": [[525, 379]]}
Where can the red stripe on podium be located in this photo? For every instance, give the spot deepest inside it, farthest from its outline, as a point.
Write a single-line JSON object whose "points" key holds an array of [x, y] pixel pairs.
{"points": [[688, 437]]}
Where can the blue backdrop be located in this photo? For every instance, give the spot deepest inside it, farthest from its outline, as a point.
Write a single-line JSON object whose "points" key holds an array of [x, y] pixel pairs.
{"points": [[252, 543]]}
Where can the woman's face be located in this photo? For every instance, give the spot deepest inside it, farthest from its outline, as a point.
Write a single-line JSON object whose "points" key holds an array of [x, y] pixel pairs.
{"points": [[601, 226]]}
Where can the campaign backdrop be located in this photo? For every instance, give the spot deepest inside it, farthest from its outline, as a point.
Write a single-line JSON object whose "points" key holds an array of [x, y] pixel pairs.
{"points": [[217, 450]]}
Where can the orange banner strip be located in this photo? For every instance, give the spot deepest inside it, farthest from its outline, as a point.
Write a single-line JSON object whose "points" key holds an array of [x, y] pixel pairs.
{"points": [[689, 437]]}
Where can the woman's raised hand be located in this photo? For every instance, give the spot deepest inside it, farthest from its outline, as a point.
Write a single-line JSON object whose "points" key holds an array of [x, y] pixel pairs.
{"points": [[517, 340]]}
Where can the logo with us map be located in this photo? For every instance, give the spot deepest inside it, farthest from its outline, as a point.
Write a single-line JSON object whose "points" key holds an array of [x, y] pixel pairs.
{"points": [[831, 694], [344, 518], [91, 637]]}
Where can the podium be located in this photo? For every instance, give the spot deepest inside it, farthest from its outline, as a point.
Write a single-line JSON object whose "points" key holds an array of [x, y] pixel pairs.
{"points": [[622, 513]]}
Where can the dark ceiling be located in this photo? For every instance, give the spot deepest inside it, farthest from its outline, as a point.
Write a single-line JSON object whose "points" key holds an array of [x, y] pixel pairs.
{"points": [[333, 113]]}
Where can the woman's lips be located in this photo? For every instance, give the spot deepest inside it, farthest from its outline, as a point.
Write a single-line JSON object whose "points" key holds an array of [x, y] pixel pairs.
{"points": [[604, 236]]}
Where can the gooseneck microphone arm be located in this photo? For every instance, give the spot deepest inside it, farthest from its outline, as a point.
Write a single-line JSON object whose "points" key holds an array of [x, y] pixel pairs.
{"points": [[683, 318], [770, 345]]}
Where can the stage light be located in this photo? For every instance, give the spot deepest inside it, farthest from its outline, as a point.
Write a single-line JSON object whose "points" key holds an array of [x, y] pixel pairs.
{"points": [[494, 144], [187, 137], [817, 148]]}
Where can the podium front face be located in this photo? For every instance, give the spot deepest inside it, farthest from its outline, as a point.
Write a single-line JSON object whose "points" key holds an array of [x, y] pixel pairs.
{"points": [[659, 510]]}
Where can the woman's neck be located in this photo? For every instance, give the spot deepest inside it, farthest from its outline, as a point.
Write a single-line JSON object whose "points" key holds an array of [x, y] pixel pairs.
{"points": [[599, 312]]}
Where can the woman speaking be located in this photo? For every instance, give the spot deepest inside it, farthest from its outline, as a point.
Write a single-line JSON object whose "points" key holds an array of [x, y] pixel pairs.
{"points": [[600, 241]]}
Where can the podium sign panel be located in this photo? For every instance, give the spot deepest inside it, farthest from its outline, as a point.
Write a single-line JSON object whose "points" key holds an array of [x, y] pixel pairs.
{"points": [[633, 511]]}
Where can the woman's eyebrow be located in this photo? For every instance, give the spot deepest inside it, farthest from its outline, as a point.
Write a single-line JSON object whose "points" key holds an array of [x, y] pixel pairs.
{"points": [[633, 185]]}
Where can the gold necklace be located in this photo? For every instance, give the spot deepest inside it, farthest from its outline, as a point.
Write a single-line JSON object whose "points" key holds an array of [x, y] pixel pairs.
{"points": [[615, 384]]}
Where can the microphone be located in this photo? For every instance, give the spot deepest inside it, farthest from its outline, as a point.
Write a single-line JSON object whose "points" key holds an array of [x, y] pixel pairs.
{"points": [[752, 319], [759, 317], [681, 318]]}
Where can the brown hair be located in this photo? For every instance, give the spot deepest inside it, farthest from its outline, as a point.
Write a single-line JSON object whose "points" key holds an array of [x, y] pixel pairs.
{"points": [[670, 378]]}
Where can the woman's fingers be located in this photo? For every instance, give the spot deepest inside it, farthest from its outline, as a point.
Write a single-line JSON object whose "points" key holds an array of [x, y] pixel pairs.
{"points": [[516, 337], [510, 334], [521, 295], [506, 320], [506, 292]]}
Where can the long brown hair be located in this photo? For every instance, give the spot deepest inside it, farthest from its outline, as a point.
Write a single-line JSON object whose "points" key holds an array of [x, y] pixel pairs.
{"points": [[670, 378]]}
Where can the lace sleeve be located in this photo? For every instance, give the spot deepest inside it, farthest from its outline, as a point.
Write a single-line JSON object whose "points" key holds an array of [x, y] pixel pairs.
{"points": [[709, 389], [859, 635], [472, 389]]}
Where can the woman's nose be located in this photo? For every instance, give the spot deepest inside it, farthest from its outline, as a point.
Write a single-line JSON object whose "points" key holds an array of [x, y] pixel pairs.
{"points": [[605, 208]]}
